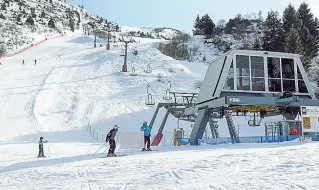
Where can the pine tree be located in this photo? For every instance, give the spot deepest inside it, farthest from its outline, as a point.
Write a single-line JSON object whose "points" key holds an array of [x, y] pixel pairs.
{"points": [[273, 39], [71, 24], [289, 18], [310, 38], [256, 45], [293, 42], [3, 6], [207, 26], [42, 14], [51, 23], [30, 21], [197, 26]]}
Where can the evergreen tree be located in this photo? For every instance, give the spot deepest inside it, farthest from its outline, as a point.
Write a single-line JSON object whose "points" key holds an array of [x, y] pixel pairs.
{"points": [[33, 13], [42, 14], [257, 44], [71, 24], [207, 26], [29, 21], [289, 18], [51, 2], [51, 23], [197, 26], [3, 6], [309, 32], [273, 39], [2, 16], [293, 42]]}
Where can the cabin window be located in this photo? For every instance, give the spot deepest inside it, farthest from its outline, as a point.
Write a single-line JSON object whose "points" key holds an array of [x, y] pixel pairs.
{"points": [[242, 71], [257, 73], [288, 75], [229, 84], [301, 83], [274, 76]]}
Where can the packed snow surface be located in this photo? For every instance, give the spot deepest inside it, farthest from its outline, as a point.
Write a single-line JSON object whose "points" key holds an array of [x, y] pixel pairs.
{"points": [[73, 86]]}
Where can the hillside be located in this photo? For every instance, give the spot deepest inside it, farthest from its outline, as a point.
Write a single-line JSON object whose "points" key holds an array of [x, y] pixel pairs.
{"points": [[23, 22], [73, 85]]}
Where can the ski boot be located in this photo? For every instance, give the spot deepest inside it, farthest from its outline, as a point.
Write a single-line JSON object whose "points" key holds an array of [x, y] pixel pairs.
{"points": [[111, 155], [143, 149], [149, 149]]}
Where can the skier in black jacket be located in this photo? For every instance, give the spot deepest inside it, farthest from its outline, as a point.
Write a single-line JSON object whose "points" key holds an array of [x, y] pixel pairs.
{"points": [[111, 139]]}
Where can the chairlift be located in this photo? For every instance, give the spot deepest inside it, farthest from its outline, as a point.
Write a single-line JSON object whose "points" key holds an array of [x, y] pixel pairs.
{"points": [[133, 72], [122, 51], [167, 93], [148, 69], [149, 99], [135, 52]]}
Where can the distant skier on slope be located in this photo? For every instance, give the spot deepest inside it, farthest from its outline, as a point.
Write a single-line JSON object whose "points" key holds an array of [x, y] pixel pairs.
{"points": [[22, 62], [111, 139], [41, 153], [147, 135], [35, 61]]}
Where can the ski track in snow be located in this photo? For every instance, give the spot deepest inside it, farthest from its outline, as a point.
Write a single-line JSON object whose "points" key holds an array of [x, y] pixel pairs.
{"points": [[61, 96]]}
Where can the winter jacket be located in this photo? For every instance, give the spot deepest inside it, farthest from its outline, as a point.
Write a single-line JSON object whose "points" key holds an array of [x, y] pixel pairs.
{"points": [[146, 130], [111, 134], [41, 142]]}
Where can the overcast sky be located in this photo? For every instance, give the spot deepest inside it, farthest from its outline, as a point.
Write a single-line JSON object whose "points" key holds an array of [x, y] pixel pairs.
{"points": [[181, 14]]}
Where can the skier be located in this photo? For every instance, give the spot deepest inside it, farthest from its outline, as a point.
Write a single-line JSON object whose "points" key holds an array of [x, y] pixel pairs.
{"points": [[111, 139], [35, 61], [147, 135], [22, 62], [41, 147]]}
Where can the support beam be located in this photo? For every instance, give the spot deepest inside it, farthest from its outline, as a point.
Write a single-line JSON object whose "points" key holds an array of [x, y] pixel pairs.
{"points": [[160, 130], [199, 126], [154, 116]]}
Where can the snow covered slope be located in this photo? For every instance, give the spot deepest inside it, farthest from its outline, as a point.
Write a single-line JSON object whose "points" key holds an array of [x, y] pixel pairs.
{"points": [[73, 84]]}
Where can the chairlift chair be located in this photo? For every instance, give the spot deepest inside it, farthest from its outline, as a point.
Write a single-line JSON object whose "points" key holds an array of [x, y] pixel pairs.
{"points": [[148, 69], [149, 99], [133, 72]]}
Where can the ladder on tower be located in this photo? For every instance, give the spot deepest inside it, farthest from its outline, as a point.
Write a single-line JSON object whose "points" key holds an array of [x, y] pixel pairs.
{"points": [[213, 127], [232, 128]]}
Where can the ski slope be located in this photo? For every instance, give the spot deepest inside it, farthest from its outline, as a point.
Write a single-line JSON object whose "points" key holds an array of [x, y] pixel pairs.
{"points": [[73, 85]]}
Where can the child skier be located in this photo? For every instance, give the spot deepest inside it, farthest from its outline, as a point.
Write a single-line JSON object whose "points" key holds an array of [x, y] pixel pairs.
{"points": [[147, 135], [111, 139], [41, 147]]}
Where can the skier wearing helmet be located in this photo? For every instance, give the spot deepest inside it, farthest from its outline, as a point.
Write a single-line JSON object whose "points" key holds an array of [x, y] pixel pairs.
{"points": [[111, 139], [147, 135], [41, 141]]}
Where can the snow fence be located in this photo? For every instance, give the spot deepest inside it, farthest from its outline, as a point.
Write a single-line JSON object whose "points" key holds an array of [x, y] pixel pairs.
{"points": [[31, 46]]}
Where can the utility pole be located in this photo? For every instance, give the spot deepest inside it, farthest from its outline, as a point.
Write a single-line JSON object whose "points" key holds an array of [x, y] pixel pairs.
{"points": [[126, 41]]}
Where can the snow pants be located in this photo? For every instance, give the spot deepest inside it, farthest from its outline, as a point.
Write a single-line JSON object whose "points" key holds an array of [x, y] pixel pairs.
{"points": [[41, 153], [147, 140], [112, 146]]}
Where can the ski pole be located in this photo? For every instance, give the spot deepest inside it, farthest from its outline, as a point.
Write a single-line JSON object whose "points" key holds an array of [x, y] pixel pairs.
{"points": [[49, 149], [99, 149]]}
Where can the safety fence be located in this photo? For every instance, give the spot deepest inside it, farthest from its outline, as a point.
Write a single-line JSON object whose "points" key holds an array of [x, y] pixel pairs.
{"points": [[31, 46], [99, 137], [255, 139]]}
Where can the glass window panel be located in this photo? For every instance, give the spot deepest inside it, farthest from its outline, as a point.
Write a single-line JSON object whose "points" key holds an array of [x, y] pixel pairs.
{"points": [[289, 85], [299, 73], [229, 84], [242, 65], [258, 84], [302, 86], [243, 83], [274, 85], [273, 67], [288, 70], [257, 66]]}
